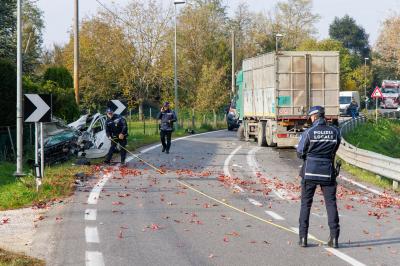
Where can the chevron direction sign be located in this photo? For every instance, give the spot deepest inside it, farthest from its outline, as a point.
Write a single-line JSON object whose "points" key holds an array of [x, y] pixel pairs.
{"points": [[118, 107], [37, 108]]}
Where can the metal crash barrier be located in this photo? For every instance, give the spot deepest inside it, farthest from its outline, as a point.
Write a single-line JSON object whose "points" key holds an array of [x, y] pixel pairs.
{"points": [[374, 162]]}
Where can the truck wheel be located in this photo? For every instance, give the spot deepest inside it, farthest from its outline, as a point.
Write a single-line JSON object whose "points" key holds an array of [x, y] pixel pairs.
{"points": [[240, 132], [261, 134], [269, 136]]}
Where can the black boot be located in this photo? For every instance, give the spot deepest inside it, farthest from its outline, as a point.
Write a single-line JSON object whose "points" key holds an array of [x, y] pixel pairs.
{"points": [[303, 242], [333, 241], [163, 149]]}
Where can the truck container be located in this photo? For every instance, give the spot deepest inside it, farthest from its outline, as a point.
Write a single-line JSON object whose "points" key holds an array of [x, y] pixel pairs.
{"points": [[278, 90]]}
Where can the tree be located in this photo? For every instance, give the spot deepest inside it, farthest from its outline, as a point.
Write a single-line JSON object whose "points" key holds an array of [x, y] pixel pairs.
{"points": [[212, 92], [8, 77], [31, 33], [296, 21], [387, 50], [60, 75], [7, 29], [103, 52], [351, 35]]}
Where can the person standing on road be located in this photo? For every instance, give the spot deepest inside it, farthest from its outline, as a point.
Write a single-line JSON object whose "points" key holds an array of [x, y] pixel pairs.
{"points": [[318, 146], [117, 132], [167, 118], [353, 108]]}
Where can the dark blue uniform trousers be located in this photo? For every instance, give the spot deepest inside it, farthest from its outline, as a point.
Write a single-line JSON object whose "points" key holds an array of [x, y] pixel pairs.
{"points": [[113, 147], [307, 193]]}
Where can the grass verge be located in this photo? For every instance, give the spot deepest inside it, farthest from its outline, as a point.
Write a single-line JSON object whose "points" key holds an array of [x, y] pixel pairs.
{"points": [[58, 183], [368, 177], [14, 259], [382, 137]]}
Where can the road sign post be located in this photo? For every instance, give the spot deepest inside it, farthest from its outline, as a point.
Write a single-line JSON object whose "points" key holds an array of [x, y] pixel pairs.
{"points": [[376, 94], [37, 109]]}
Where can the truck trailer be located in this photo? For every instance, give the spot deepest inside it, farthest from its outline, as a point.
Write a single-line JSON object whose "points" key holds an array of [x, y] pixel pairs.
{"points": [[279, 88]]}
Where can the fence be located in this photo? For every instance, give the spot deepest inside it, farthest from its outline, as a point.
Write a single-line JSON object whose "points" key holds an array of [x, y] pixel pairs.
{"points": [[8, 141], [148, 124], [367, 160]]}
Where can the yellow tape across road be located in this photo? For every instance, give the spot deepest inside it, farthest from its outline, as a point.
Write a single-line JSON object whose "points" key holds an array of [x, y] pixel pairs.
{"points": [[219, 201]]}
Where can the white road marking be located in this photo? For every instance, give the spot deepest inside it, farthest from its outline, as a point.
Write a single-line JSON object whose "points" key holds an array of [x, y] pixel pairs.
{"points": [[251, 161], [238, 188], [322, 215], [94, 258], [178, 139], [236, 165], [94, 195], [91, 235], [366, 188], [90, 214], [255, 202], [345, 257], [228, 159], [310, 236], [274, 215]]}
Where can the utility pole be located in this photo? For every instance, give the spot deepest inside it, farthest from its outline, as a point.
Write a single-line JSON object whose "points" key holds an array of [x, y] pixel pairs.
{"points": [[233, 64], [176, 2], [365, 82], [20, 128], [76, 51]]}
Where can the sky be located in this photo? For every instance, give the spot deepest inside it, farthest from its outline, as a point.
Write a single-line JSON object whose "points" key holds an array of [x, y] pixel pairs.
{"points": [[58, 14]]}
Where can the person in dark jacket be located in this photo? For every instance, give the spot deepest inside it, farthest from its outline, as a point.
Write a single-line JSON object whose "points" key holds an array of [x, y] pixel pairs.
{"points": [[117, 132], [167, 118], [353, 108], [318, 146]]}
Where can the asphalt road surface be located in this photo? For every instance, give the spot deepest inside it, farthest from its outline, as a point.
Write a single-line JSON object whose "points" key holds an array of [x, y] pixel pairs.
{"points": [[219, 201]]}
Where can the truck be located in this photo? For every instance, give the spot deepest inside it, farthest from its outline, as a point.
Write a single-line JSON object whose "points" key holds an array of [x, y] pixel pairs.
{"points": [[235, 113], [345, 100], [390, 92], [279, 88]]}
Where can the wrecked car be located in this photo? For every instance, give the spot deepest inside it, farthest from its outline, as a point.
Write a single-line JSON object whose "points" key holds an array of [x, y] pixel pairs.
{"points": [[92, 142], [84, 138]]}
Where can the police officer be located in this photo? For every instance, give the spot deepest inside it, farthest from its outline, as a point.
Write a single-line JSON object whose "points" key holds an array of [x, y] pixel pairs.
{"points": [[167, 118], [117, 132], [317, 147]]}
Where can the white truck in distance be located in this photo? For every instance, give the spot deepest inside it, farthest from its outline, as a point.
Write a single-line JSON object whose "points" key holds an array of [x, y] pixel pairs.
{"points": [[345, 100]]}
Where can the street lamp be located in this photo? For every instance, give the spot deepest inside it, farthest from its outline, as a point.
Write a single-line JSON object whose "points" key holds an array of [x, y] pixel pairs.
{"points": [[175, 64], [277, 37], [365, 81]]}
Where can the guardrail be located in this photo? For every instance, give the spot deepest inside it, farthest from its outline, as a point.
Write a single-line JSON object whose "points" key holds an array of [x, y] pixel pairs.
{"points": [[392, 115], [368, 160]]}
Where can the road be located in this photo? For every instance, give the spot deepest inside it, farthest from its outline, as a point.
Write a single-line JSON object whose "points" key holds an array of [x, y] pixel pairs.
{"points": [[219, 202]]}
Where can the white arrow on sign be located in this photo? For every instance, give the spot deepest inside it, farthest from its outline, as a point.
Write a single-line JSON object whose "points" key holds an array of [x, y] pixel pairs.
{"points": [[119, 105], [42, 108]]}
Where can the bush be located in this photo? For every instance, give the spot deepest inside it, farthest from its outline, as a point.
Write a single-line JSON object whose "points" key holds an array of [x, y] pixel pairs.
{"points": [[8, 92], [60, 75]]}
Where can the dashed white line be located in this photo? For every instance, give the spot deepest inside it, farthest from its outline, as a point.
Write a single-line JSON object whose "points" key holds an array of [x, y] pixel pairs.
{"points": [[310, 236], [90, 214], [94, 195], [274, 215], [94, 258], [345, 257], [92, 235], [255, 202]]}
